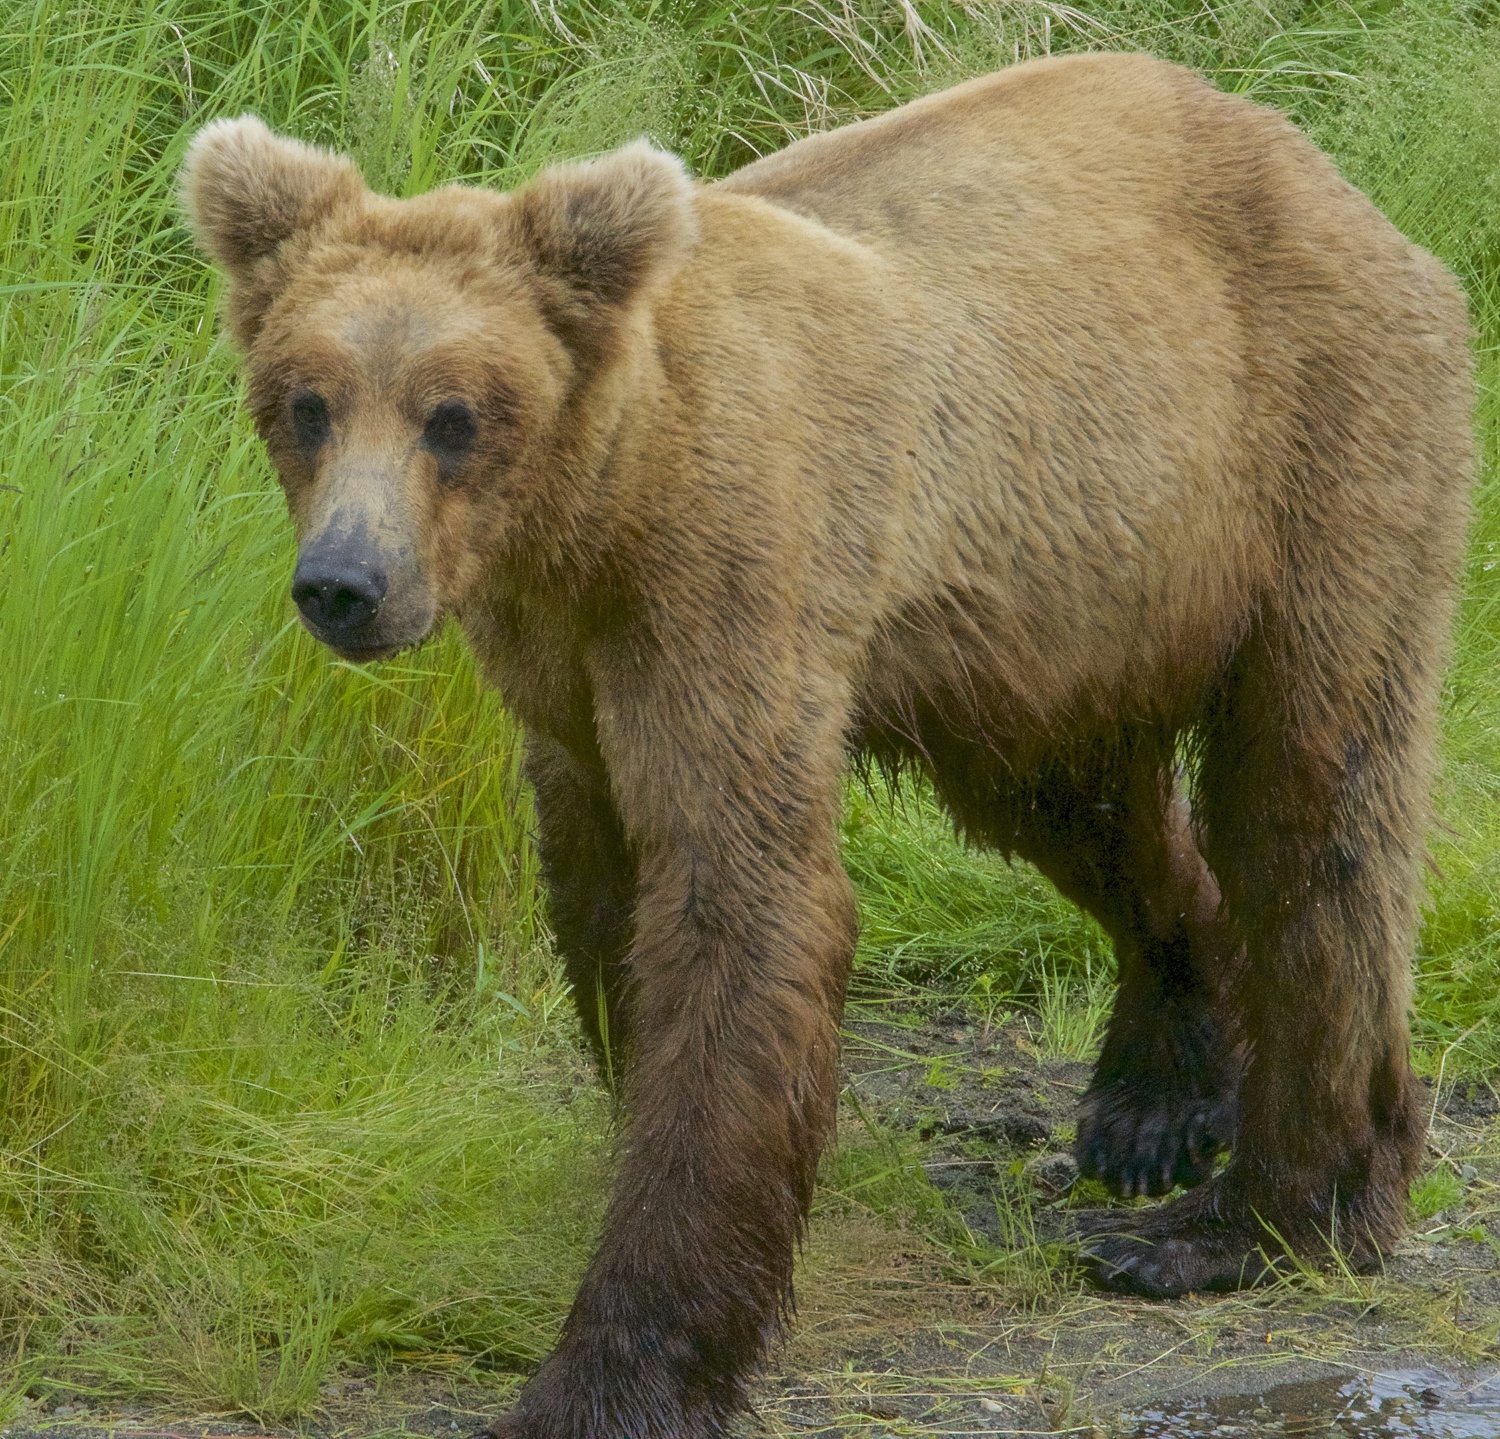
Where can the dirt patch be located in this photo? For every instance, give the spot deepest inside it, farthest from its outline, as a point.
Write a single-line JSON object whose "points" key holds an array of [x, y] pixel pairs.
{"points": [[982, 1100]]}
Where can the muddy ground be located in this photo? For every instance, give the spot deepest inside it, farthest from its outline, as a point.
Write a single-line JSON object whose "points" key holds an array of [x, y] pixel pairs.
{"points": [[1027, 1346], [969, 1316]]}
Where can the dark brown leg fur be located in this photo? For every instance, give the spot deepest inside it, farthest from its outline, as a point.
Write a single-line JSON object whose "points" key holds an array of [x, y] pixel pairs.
{"points": [[1108, 829], [1164, 1098], [590, 878], [743, 933], [1312, 803]]}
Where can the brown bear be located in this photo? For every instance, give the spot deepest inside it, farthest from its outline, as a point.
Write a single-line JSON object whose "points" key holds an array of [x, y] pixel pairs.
{"points": [[1076, 436]]}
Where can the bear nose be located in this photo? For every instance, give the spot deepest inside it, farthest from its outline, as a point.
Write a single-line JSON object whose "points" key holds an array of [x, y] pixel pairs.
{"points": [[337, 598]]}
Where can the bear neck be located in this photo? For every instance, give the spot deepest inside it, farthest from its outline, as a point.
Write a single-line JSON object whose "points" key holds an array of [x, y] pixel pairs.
{"points": [[588, 516]]}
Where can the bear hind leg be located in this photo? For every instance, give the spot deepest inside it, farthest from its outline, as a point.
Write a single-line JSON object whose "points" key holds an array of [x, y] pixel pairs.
{"points": [[1312, 803], [1111, 829]]}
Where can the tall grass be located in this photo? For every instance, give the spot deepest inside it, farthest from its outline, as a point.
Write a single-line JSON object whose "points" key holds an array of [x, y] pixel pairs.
{"points": [[284, 1072]]}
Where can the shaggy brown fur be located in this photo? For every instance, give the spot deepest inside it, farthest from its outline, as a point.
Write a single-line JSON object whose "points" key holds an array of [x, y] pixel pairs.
{"points": [[1040, 433]]}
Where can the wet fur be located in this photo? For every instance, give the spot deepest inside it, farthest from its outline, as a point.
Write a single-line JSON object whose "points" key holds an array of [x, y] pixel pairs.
{"points": [[1063, 435]]}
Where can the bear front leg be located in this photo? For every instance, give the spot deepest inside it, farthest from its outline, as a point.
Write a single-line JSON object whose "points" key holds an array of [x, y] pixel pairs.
{"points": [[591, 882], [744, 934]]}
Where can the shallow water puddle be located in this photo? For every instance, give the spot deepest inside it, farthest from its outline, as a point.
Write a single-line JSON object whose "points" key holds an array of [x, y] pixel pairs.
{"points": [[1398, 1404]]}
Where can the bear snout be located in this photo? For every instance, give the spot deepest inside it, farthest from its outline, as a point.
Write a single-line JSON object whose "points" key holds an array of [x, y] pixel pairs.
{"points": [[339, 595], [360, 598]]}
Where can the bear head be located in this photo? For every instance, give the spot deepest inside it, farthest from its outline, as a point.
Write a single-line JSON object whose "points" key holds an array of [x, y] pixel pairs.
{"points": [[432, 376]]}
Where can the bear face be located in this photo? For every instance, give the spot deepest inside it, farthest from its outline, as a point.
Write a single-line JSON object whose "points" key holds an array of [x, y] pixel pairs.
{"points": [[416, 368]]}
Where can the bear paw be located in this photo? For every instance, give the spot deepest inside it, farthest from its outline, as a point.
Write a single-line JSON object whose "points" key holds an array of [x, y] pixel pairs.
{"points": [[1143, 1138], [1164, 1101], [1199, 1243]]}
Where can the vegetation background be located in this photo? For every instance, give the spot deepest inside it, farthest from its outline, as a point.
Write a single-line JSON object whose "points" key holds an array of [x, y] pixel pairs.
{"points": [[287, 1077]]}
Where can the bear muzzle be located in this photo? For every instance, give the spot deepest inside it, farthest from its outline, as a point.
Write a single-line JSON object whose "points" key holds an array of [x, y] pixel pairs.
{"points": [[362, 603]]}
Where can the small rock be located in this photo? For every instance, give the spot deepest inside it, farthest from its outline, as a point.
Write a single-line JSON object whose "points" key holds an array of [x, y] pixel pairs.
{"points": [[990, 1407], [1468, 1173], [1025, 1129], [1053, 1174]]}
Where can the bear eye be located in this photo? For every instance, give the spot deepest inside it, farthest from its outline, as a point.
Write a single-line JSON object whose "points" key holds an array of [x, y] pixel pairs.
{"points": [[450, 431], [310, 418]]}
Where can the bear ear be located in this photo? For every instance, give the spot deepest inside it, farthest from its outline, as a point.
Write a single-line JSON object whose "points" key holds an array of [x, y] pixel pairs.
{"points": [[599, 232], [246, 190]]}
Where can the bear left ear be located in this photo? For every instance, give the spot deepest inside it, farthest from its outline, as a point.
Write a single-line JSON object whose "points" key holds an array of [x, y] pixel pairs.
{"points": [[599, 232]]}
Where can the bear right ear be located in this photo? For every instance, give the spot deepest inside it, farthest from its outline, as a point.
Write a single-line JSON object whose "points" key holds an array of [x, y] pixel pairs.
{"points": [[246, 191]]}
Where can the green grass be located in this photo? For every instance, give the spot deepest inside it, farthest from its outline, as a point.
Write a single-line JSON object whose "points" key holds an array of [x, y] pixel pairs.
{"points": [[286, 1075]]}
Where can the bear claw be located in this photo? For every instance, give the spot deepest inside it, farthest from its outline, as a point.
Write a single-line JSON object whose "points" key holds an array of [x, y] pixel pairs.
{"points": [[1163, 1105], [1170, 1268], [1141, 1150]]}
